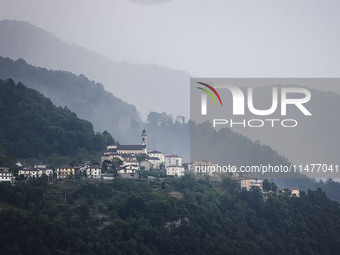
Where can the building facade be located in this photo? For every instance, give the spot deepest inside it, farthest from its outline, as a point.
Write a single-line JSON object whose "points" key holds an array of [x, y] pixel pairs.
{"points": [[65, 171], [157, 154], [247, 183], [293, 191], [177, 171], [30, 172], [121, 151], [37, 171], [173, 160], [6, 175], [173, 166], [94, 172]]}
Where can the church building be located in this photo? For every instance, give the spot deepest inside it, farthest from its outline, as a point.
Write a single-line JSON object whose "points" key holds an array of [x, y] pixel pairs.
{"points": [[122, 151]]}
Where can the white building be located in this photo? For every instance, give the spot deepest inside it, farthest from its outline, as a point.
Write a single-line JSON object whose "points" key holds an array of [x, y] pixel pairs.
{"points": [[30, 172], [129, 167], [37, 171], [6, 175], [134, 163], [177, 171], [157, 154], [94, 172], [155, 162], [293, 191], [173, 160], [173, 166], [127, 170]]}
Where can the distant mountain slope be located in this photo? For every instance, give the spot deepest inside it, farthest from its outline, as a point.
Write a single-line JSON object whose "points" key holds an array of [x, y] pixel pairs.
{"points": [[226, 147], [149, 87], [86, 98], [316, 139], [31, 126]]}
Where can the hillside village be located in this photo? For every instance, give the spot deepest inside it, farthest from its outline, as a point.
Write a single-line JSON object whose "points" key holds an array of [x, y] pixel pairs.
{"points": [[118, 161], [132, 161]]}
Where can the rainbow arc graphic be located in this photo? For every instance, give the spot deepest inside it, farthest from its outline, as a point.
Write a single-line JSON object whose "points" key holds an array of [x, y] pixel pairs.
{"points": [[209, 93]]}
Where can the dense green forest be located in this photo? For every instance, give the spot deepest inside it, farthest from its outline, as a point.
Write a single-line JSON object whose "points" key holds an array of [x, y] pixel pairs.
{"points": [[32, 127], [171, 216]]}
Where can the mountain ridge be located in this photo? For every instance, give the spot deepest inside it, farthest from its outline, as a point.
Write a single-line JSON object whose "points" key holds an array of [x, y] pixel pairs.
{"points": [[31, 126], [87, 98], [149, 87]]}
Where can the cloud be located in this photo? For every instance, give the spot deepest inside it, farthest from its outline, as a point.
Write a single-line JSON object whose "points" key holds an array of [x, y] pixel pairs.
{"points": [[149, 2]]}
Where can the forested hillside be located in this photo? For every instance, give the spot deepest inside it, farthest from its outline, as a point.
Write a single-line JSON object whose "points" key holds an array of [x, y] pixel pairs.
{"points": [[32, 127], [88, 99], [174, 216]]}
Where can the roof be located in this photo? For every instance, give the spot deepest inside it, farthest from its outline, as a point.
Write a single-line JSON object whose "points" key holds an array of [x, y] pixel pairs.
{"points": [[153, 158], [130, 147], [172, 156], [155, 151], [4, 169], [30, 169]]}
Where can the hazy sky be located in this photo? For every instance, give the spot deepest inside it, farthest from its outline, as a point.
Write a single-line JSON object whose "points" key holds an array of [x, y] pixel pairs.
{"points": [[217, 38]]}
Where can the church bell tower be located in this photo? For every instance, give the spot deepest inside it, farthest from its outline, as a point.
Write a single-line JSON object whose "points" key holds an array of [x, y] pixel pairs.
{"points": [[144, 140]]}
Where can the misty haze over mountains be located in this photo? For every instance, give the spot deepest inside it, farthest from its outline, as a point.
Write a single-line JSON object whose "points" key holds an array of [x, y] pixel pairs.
{"points": [[86, 98], [90, 101], [148, 87]]}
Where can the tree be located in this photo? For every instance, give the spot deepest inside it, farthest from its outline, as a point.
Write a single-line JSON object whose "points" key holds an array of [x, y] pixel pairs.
{"points": [[142, 157], [116, 163], [268, 186]]}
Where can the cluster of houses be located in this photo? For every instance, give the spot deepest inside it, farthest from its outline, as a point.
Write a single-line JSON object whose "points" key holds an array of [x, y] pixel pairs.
{"points": [[36, 171], [131, 159], [27, 172], [87, 169], [248, 183], [136, 157]]}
